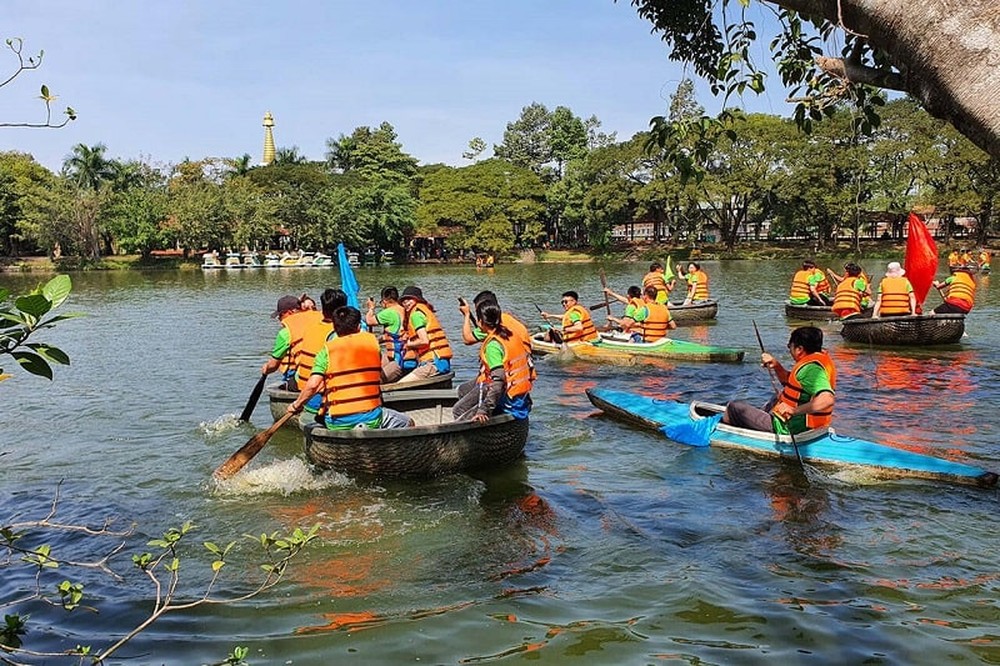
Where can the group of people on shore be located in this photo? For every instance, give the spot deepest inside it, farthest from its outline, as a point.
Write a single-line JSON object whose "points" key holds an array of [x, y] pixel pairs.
{"points": [[894, 296], [338, 368]]}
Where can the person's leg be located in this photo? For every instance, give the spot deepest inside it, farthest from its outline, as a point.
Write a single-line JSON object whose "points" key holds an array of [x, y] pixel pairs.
{"points": [[391, 372], [394, 419], [742, 414], [468, 401], [420, 372]]}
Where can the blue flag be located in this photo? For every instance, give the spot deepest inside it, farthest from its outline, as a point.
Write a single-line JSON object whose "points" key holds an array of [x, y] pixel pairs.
{"points": [[348, 282]]}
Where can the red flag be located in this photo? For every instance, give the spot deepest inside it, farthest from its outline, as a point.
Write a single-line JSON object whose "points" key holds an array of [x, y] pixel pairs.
{"points": [[921, 260]]}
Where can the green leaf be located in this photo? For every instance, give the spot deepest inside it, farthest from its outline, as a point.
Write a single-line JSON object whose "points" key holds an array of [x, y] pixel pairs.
{"points": [[45, 92], [217, 564], [49, 353], [34, 304], [57, 289], [33, 363]]}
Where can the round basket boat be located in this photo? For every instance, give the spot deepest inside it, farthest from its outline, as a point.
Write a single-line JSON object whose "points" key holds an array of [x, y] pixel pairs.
{"points": [[815, 312], [279, 399], [695, 313], [909, 331], [435, 446]]}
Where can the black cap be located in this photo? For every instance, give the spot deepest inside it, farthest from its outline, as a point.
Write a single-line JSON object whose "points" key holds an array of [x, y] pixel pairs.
{"points": [[412, 292], [285, 304]]}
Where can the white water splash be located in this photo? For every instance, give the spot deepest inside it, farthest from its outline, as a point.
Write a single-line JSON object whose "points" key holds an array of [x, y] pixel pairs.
{"points": [[223, 424], [281, 477]]}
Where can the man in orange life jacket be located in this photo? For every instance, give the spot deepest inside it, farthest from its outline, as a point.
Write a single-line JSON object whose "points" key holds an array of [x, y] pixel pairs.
{"points": [[895, 294], [506, 373], [287, 350], [314, 337], [961, 294], [807, 396], [348, 372], [577, 325]]}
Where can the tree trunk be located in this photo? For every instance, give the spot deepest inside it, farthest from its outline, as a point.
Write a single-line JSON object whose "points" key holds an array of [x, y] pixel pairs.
{"points": [[947, 53]]}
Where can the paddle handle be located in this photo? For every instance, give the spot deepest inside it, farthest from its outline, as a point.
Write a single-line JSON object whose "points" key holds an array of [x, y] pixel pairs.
{"points": [[254, 397], [604, 285], [246, 453]]}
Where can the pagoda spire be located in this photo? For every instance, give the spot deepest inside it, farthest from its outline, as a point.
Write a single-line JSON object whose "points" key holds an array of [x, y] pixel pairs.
{"points": [[268, 139]]}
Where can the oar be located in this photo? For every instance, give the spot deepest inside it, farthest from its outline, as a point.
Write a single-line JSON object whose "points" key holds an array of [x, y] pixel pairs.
{"points": [[245, 454], [774, 385], [604, 285], [555, 335], [254, 397]]}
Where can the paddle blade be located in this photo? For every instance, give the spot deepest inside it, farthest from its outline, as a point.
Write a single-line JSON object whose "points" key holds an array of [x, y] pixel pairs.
{"points": [[668, 273], [254, 397], [921, 259], [246, 453], [693, 432]]}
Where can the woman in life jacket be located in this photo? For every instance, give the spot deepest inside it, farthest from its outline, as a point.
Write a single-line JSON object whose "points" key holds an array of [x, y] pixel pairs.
{"points": [[895, 294]]}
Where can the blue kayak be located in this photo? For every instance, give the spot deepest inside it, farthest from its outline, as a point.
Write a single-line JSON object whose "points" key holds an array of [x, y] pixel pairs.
{"points": [[821, 446]]}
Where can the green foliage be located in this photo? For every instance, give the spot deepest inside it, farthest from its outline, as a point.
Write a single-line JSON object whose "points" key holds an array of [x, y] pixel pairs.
{"points": [[25, 316]]}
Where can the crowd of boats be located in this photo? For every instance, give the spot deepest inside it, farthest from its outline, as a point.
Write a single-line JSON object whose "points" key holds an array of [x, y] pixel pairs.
{"points": [[301, 259]]}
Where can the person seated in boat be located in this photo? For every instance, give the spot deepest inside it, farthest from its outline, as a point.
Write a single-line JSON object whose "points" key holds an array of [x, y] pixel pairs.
{"points": [[306, 302], [697, 281], [657, 320], [895, 294], [390, 318], [635, 311], [967, 259], [314, 337], [426, 348], [348, 374], [656, 277], [809, 286], [960, 291], [984, 260], [577, 326], [808, 390], [472, 333], [286, 355], [852, 293], [506, 372], [954, 259]]}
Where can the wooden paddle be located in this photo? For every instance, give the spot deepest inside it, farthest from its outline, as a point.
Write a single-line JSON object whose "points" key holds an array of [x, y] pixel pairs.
{"points": [[604, 285], [775, 386], [555, 335], [254, 397], [245, 454]]}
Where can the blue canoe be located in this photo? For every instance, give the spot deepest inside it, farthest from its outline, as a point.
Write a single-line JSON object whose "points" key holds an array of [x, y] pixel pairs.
{"points": [[821, 446]]}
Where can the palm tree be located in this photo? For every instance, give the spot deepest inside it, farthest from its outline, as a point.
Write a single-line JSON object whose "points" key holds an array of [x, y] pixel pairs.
{"points": [[289, 156], [241, 165], [87, 167]]}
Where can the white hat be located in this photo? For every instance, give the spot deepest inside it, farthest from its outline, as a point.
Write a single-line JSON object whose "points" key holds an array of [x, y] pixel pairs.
{"points": [[894, 270]]}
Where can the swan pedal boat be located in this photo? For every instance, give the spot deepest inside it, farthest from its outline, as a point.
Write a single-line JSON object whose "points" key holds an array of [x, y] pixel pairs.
{"points": [[435, 446], [821, 446], [614, 346]]}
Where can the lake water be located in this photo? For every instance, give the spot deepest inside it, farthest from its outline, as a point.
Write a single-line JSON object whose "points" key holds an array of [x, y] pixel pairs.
{"points": [[606, 545]]}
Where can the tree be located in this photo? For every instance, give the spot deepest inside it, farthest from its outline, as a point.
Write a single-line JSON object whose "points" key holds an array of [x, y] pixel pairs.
{"points": [[24, 184], [289, 156], [941, 53], [87, 167], [526, 141], [16, 45]]}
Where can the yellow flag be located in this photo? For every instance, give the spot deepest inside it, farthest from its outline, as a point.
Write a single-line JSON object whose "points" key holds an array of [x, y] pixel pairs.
{"points": [[668, 273]]}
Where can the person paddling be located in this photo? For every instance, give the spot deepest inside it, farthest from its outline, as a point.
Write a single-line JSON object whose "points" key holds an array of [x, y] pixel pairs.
{"points": [[390, 317], [287, 350], [808, 286], [808, 390], [635, 310], [960, 293], [577, 326], [348, 373]]}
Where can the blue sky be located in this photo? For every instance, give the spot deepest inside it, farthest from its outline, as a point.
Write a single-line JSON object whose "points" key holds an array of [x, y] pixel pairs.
{"points": [[162, 81]]}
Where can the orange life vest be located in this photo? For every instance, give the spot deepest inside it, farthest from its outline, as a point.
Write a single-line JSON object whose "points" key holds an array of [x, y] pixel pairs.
{"points": [[353, 374], [791, 393], [315, 337], [438, 346], [823, 286], [800, 285], [297, 324], [517, 367], [848, 299], [962, 290], [521, 332], [654, 279], [587, 333], [895, 295], [701, 286], [655, 326]]}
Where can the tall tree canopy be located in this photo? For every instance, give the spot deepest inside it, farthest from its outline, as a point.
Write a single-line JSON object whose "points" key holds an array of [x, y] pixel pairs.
{"points": [[942, 53]]}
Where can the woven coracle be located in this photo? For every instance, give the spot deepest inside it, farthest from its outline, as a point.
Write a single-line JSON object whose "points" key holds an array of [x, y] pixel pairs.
{"points": [[909, 331], [279, 399], [436, 446], [815, 312], [696, 312]]}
